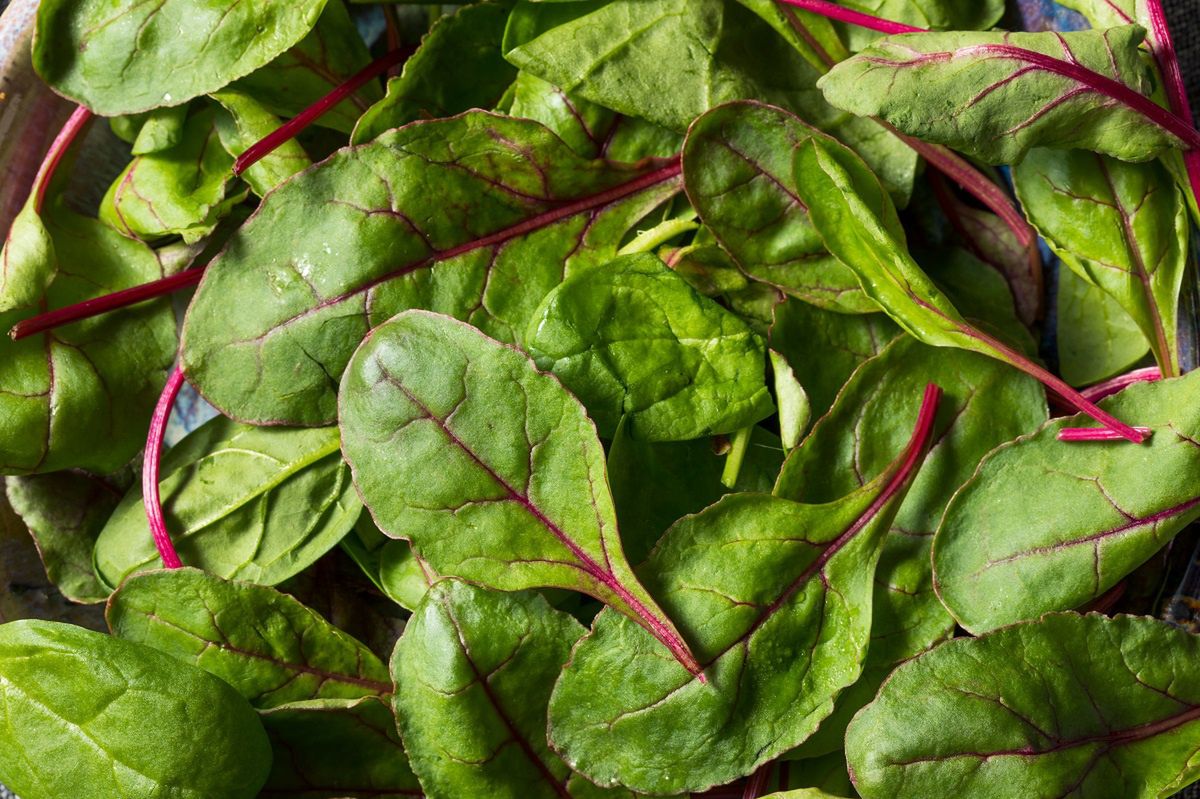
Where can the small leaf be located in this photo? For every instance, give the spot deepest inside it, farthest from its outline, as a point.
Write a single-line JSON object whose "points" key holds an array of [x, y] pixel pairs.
{"points": [[27, 260], [1096, 339], [489, 467], [92, 717], [162, 130], [389, 563], [1068, 705], [246, 121], [795, 411], [251, 503]]}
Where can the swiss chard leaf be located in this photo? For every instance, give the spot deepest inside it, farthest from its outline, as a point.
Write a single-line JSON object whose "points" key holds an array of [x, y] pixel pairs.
{"points": [[126, 57], [631, 339], [337, 749], [1066, 706], [779, 637], [351, 242], [996, 95], [458, 66], [1096, 338], [1122, 227], [90, 716], [251, 503], [269, 647], [1122, 504], [489, 467]]}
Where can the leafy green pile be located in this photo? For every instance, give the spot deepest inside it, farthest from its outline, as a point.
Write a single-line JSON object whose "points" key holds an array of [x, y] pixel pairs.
{"points": [[658, 382]]}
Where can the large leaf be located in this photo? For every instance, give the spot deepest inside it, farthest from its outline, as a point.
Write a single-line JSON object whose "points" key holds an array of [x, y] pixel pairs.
{"points": [[779, 636], [1048, 526], [458, 66], [252, 503], [269, 647], [1065, 706], [985, 405], [996, 95], [631, 339], [362, 236], [1122, 227], [89, 716], [80, 396], [944, 15], [337, 749], [125, 56], [1096, 338], [489, 467]]}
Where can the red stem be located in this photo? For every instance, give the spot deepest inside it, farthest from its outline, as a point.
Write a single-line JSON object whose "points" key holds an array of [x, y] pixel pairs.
{"points": [[265, 146], [757, 784], [150, 495], [1121, 382], [104, 304], [834, 11], [1163, 49], [58, 148], [1095, 434]]}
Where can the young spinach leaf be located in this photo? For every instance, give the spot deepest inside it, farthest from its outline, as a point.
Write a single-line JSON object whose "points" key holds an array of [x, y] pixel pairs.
{"points": [[795, 410], [1096, 338], [269, 647], [1068, 705], [1120, 226], [632, 340], [780, 636], [1086, 516], [252, 503], [999, 94], [90, 716], [337, 749], [351, 242], [489, 467]]}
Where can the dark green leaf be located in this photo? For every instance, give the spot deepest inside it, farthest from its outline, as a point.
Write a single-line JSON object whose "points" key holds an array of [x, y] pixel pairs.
{"points": [[1096, 339], [389, 563]]}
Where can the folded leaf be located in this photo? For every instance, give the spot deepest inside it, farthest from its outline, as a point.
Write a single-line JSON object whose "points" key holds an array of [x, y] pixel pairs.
{"points": [[779, 637], [1076, 518], [1096, 338], [1065, 706], [996, 95], [246, 121], [162, 130], [489, 467], [125, 57], [89, 716], [269, 647], [389, 563], [631, 339], [1122, 227], [362, 236], [251, 503], [344, 748], [795, 411], [27, 260], [813, 36]]}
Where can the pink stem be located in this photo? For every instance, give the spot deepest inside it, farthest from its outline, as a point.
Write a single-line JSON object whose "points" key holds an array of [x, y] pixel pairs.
{"points": [[1097, 434], [265, 146], [757, 784], [58, 148], [1121, 382], [1163, 48], [834, 11], [104, 304], [150, 495]]}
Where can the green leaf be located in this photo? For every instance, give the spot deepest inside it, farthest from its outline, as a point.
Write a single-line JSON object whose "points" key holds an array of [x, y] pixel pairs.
{"points": [[183, 190], [65, 512], [89, 716], [1065, 706], [125, 57], [162, 130], [353, 241], [1122, 227], [813, 36], [981, 293], [795, 411], [779, 636], [631, 339], [246, 121], [389, 563], [269, 647], [337, 749], [457, 67], [737, 169], [1073, 519], [80, 396], [27, 260], [251, 503], [489, 467], [1096, 339], [473, 674], [1104, 13], [985, 404], [945, 15], [996, 95]]}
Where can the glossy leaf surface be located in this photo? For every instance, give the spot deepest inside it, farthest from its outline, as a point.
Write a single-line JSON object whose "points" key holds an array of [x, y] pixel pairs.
{"points": [[245, 121]]}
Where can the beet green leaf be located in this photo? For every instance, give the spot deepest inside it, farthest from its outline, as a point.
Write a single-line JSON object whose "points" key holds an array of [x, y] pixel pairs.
{"points": [[252, 503], [27, 260], [955, 15], [119, 719], [779, 637], [1096, 338], [996, 95], [1123, 503], [358, 238], [389, 563], [126, 57], [490, 468], [269, 647], [1066, 706], [246, 121], [1105, 13]]}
